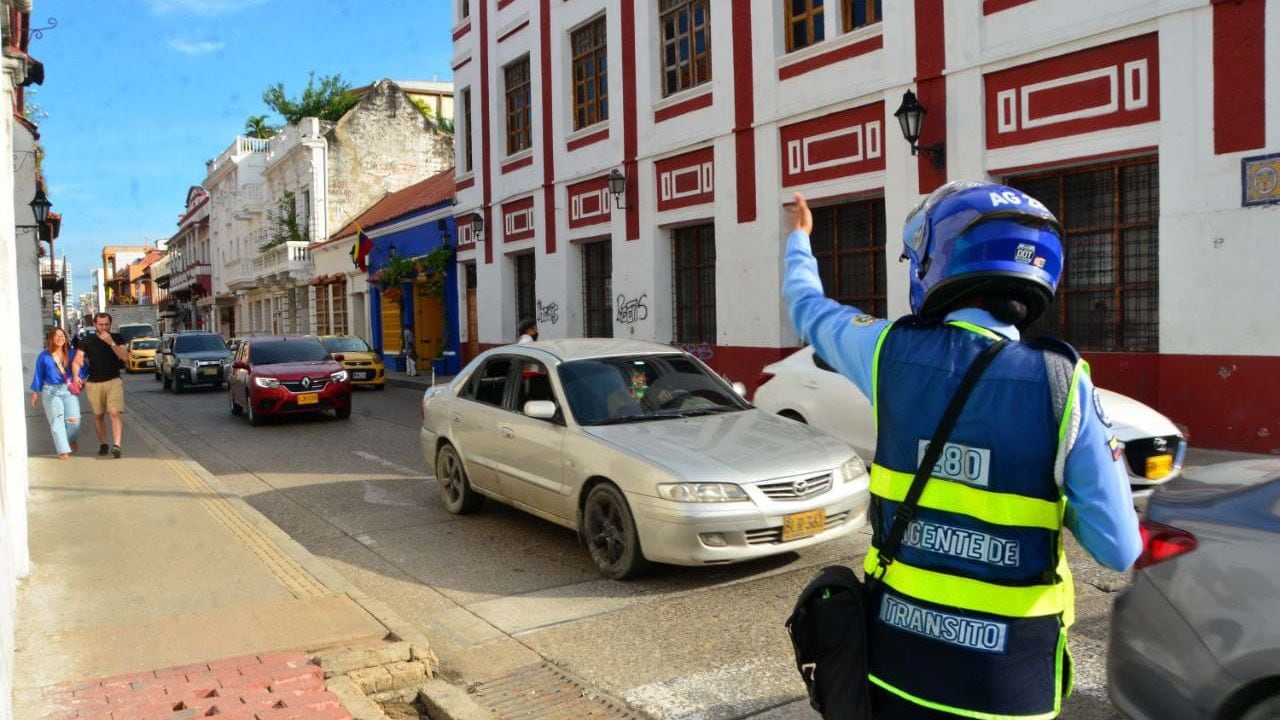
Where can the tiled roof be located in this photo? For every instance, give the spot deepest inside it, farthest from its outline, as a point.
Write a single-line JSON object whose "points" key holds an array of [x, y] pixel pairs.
{"points": [[432, 191]]}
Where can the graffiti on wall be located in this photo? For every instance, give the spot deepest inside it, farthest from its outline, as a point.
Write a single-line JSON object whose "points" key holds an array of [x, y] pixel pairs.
{"points": [[548, 314], [632, 311]]}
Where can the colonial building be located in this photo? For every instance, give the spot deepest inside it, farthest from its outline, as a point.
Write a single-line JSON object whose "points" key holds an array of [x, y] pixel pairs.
{"points": [[237, 203], [1150, 129], [318, 175], [190, 301], [410, 230]]}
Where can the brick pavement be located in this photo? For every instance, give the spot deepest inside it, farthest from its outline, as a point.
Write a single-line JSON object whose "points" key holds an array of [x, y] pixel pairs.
{"points": [[278, 686]]}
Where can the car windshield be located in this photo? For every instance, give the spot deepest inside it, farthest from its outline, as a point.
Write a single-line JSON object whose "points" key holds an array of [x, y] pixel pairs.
{"points": [[199, 343], [129, 332], [345, 344], [638, 388], [146, 344], [284, 351]]}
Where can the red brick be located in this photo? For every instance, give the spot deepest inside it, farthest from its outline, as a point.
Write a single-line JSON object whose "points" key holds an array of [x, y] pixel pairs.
{"points": [[181, 670], [183, 690], [127, 677], [237, 714], [242, 682], [86, 703], [290, 659], [320, 701], [233, 663]]}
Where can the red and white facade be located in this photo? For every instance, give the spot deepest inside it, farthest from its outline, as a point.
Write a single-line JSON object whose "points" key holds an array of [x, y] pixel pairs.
{"points": [[1014, 89]]}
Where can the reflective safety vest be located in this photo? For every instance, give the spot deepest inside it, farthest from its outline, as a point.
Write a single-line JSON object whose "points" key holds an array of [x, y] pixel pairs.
{"points": [[971, 617]]}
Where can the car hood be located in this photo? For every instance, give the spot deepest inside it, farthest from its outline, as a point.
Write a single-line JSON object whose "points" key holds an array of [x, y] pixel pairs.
{"points": [[732, 447], [204, 355], [352, 355], [291, 370], [1131, 419]]}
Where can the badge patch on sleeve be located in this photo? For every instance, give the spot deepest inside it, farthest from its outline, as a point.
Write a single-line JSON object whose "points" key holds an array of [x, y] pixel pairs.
{"points": [[863, 319], [1097, 406], [1117, 450]]}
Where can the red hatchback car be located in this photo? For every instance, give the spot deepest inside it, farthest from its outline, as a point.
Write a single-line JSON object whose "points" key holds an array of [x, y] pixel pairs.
{"points": [[278, 375]]}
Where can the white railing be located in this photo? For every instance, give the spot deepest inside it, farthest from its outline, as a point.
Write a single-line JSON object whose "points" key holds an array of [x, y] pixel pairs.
{"points": [[239, 147], [238, 273], [251, 198], [288, 258], [291, 135], [189, 277]]}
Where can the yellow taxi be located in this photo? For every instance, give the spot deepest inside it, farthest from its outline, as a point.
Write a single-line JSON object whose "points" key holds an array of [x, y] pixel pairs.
{"points": [[142, 354], [359, 360]]}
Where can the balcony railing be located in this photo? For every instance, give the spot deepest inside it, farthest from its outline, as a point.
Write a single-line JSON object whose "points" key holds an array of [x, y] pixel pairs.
{"points": [[238, 148], [189, 277], [284, 263], [251, 199], [237, 274]]}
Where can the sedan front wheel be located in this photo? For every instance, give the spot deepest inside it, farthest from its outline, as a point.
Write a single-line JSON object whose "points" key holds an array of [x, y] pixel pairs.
{"points": [[455, 489], [610, 533]]}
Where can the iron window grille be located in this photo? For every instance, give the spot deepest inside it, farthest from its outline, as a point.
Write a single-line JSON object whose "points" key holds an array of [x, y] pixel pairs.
{"points": [[849, 243], [694, 284], [861, 13], [526, 293], [685, 32], [1109, 294], [322, 309], [804, 23], [339, 305], [466, 129], [597, 289], [590, 74], [519, 115]]}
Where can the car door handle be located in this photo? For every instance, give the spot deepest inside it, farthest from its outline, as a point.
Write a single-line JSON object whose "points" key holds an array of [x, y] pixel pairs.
{"points": [[812, 384], [457, 417], [506, 432]]}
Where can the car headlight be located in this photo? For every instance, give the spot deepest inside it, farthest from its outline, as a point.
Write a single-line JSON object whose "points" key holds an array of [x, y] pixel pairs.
{"points": [[187, 363], [340, 376], [702, 492], [852, 469], [266, 382]]}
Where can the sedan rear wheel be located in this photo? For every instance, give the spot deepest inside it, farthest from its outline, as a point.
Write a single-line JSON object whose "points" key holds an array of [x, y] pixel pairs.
{"points": [[610, 533], [1264, 710], [455, 488], [254, 418]]}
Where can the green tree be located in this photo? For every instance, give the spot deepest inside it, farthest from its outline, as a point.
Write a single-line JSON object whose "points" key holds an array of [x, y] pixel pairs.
{"points": [[330, 99], [444, 124], [256, 127]]}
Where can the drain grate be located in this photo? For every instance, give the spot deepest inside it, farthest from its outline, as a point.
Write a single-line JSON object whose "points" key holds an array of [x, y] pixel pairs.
{"points": [[545, 692]]}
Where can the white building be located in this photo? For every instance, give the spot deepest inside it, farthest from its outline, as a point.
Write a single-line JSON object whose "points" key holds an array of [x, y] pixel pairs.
{"points": [[1145, 126], [188, 269], [236, 206]]}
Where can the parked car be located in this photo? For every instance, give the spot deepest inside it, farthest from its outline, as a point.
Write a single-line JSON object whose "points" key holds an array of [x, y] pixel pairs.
{"points": [[193, 359], [280, 375], [805, 388], [142, 354], [129, 331], [1196, 634], [363, 364], [642, 450]]}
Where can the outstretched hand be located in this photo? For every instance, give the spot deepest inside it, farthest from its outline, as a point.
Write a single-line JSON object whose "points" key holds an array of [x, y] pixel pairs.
{"points": [[801, 215]]}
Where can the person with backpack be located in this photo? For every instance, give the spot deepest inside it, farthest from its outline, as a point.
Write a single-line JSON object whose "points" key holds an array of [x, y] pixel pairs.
{"points": [[969, 617]]}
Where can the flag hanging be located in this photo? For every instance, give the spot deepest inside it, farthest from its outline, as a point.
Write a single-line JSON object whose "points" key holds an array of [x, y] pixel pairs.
{"points": [[360, 251]]}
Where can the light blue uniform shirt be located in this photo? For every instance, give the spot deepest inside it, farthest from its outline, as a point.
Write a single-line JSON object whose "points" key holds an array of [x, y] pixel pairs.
{"points": [[1099, 503]]}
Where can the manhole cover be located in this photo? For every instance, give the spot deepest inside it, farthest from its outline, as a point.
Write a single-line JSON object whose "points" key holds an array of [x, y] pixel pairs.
{"points": [[544, 691]]}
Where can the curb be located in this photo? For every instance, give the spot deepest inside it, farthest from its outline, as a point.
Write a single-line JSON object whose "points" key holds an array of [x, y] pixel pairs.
{"points": [[453, 706]]}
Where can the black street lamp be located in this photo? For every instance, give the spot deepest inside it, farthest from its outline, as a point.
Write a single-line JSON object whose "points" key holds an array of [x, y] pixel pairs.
{"points": [[477, 226], [442, 227], [391, 250], [40, 206], [617, 186], [910, 116]]}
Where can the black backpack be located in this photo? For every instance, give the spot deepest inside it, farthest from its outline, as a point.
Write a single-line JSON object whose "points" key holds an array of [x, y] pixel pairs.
{"points": [[829, 635]]}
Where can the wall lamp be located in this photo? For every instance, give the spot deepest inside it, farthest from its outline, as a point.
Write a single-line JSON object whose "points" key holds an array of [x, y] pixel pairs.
{"points": [[910, 116], [442, 227], [477, 226], [617, 186], [39, 209]]}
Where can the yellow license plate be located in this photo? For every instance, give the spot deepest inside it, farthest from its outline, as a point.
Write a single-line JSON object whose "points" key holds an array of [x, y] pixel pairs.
{"points": [[799, 525], [1158, 466], [308, 398], [209, 371]]}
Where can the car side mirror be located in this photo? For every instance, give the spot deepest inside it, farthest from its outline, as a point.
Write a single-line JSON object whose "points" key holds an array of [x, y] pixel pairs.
{"points": [[540, 409], [339, 357], [740, 389], [240, 365]]}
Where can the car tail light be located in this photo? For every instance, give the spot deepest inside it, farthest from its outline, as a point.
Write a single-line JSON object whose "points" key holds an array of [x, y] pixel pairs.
{"points": [[1162, 542], [763, 378]]}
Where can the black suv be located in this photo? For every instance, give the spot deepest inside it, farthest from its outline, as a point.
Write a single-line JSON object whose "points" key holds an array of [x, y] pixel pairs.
{"points": [[193, 359]]}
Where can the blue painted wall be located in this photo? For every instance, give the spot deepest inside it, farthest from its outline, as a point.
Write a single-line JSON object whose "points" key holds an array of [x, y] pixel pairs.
{"points": [[413, 242]]}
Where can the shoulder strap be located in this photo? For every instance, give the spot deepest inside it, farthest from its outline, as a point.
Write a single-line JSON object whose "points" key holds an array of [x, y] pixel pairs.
{"points": [[907, 508]]}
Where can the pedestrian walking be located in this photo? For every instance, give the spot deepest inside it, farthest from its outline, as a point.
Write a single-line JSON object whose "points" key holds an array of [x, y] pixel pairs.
{"points": [[410, 353], [105, 355], [970, 617], [55, 384], [528, 331]]}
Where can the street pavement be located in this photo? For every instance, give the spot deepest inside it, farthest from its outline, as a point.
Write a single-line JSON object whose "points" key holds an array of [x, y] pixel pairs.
{"points": [[511, 601]]}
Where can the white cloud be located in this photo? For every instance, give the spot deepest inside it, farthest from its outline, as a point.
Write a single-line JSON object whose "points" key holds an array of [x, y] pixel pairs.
{"points": [[193, 47], [207, 8]]}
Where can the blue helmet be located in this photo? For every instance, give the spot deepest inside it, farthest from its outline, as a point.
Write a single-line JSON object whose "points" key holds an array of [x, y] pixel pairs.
{"points": [[969, 239]]}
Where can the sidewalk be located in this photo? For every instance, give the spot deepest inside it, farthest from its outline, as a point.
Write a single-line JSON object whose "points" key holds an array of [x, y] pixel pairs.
{"points": [[421, 381], [155, 595]]}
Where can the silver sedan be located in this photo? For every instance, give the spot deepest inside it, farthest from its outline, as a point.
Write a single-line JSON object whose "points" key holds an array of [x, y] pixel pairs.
{"points": [[642, 450]]}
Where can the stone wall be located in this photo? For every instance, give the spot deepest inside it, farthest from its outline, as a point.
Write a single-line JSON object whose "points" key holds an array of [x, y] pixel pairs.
{"points": [[381, 145]]}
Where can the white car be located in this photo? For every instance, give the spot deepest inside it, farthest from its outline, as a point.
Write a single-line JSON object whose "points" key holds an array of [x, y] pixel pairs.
{"points": [[804, 388], [642, 450]]}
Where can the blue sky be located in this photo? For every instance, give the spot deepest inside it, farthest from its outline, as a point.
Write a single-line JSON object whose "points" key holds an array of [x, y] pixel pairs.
{"points": [[140, 93]]}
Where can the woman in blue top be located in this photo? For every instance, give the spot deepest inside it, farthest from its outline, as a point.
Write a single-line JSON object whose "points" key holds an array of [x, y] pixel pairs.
{"points": [[55, 374]]}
